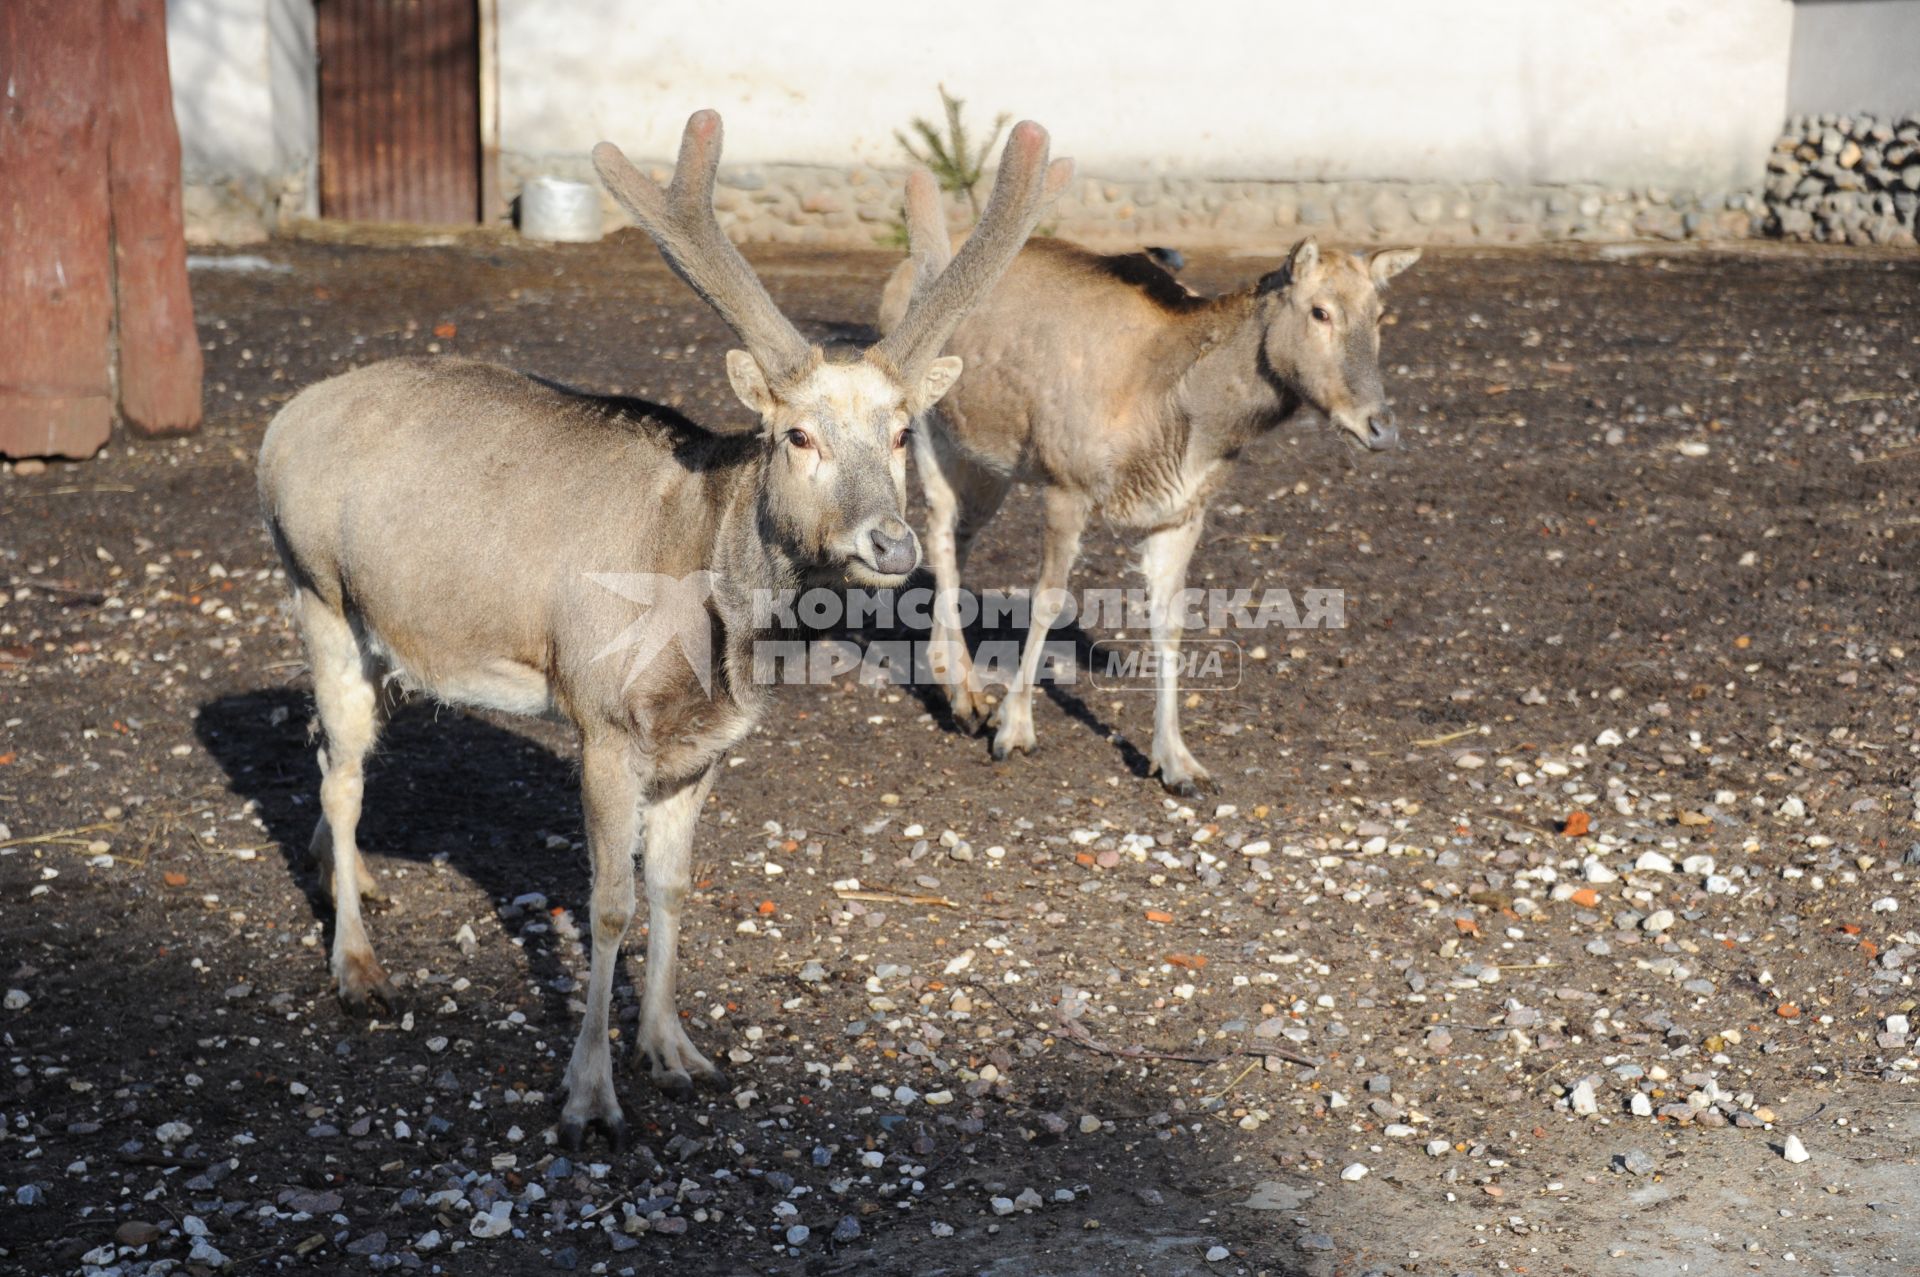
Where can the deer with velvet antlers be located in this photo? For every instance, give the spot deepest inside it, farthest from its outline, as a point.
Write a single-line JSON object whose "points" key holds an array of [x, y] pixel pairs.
{"points": [[489, 539], [1121, 394]]}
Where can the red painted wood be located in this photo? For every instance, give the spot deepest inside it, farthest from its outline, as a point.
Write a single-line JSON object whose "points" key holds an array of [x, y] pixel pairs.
{"points": [[160, 362], [56, 303]]}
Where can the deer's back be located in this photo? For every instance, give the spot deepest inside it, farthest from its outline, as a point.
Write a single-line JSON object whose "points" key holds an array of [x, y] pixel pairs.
{"points": [[457, 511], [1070, 366]]}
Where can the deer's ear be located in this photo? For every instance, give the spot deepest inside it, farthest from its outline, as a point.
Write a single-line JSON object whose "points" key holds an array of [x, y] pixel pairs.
{"points": [[749, 382], [1300, 263], [1388, 262], [939, 379]]}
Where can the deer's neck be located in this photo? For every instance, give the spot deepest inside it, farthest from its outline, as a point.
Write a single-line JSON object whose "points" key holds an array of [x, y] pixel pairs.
{"points": [[748, 560], [1231, 395]]}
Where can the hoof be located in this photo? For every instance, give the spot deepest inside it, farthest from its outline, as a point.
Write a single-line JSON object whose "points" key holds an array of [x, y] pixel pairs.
{"points": [[370, 1000], [1003, 749], [675, 1084], [971, 713], [1188, 787], [681, 1085], [572, 1133], [676, 1066], [363, 984]]}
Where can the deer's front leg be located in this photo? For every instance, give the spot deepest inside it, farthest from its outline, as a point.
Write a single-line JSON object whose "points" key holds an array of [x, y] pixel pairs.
{"points": [[664, 1047], [1164, 559], [610, 796], [1066, 520]]}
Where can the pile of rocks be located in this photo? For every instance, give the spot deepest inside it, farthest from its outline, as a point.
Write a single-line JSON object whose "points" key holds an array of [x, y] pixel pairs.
{"points": [[1846, 179]]}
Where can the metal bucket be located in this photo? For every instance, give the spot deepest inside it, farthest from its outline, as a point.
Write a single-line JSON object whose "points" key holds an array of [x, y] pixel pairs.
{"points": [[553, 208]]}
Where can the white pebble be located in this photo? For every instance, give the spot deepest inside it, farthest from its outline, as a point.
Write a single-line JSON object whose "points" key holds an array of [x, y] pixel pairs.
{"points": [[497, 1222], [1793, 1150], [1217, 1253], [1354, 1173]]}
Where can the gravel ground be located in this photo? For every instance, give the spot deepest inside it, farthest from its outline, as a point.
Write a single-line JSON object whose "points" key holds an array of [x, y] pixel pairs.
{"points": [[1556, 915]]}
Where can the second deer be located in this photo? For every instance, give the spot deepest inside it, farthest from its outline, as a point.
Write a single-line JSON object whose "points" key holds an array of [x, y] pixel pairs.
{"points": [[1121, 394]]}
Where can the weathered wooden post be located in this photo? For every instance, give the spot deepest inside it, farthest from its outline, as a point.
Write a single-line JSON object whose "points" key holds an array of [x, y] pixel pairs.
{"points": [[91, 242], [159, 350], [56, 296]]}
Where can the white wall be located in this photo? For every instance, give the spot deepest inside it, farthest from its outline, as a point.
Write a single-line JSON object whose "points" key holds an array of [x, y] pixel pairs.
{"points": [[1626, 92], [244, 92]]}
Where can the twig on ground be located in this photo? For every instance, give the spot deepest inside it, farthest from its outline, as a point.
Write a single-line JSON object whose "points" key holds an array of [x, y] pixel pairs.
{"points": [[885, 896], [54, 587], [57, 834], [1449, 738], [1224, 1091]]}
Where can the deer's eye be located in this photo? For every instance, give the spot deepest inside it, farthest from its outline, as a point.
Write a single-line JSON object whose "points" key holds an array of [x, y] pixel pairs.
{"points": [[799, 438], [904, 437], [1321, 316]]}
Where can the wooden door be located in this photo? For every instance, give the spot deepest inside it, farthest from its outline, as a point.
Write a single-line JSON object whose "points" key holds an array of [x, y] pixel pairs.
{"points": [[399, 110]]}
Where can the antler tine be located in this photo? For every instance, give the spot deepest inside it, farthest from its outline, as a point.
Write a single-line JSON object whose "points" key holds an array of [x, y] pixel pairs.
{"points": [[681, 221], [1024, 186]]}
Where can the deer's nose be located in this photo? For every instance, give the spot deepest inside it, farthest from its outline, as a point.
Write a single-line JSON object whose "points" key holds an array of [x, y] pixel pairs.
{"points": [[892, 547], [1381, 432]]}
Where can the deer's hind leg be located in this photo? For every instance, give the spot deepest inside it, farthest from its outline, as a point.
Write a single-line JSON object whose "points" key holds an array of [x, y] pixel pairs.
{"points": [[347, 695], [1067, 514], [320, 856]]}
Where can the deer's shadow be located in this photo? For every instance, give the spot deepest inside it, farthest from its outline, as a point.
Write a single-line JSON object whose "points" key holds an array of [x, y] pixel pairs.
{"points": [[442, 784], [1010, 638]]}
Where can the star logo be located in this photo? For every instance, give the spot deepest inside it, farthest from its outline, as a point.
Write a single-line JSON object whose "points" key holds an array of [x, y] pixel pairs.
{"points": [[673, 612]]}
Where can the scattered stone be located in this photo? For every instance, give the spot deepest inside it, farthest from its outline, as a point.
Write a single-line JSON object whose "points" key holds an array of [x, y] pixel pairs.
{"points": [[137, 1232], [496, 1221], [1637, 1162], [1793, 1150], [1355, 1172]]}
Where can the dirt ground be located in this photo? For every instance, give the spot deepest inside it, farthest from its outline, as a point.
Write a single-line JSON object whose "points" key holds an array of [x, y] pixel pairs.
{"points": [[1647, 558]]}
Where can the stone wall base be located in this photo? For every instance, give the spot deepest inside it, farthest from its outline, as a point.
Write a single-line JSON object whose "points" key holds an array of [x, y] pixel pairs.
{"points": [[860, 207], [1838, 180]]}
